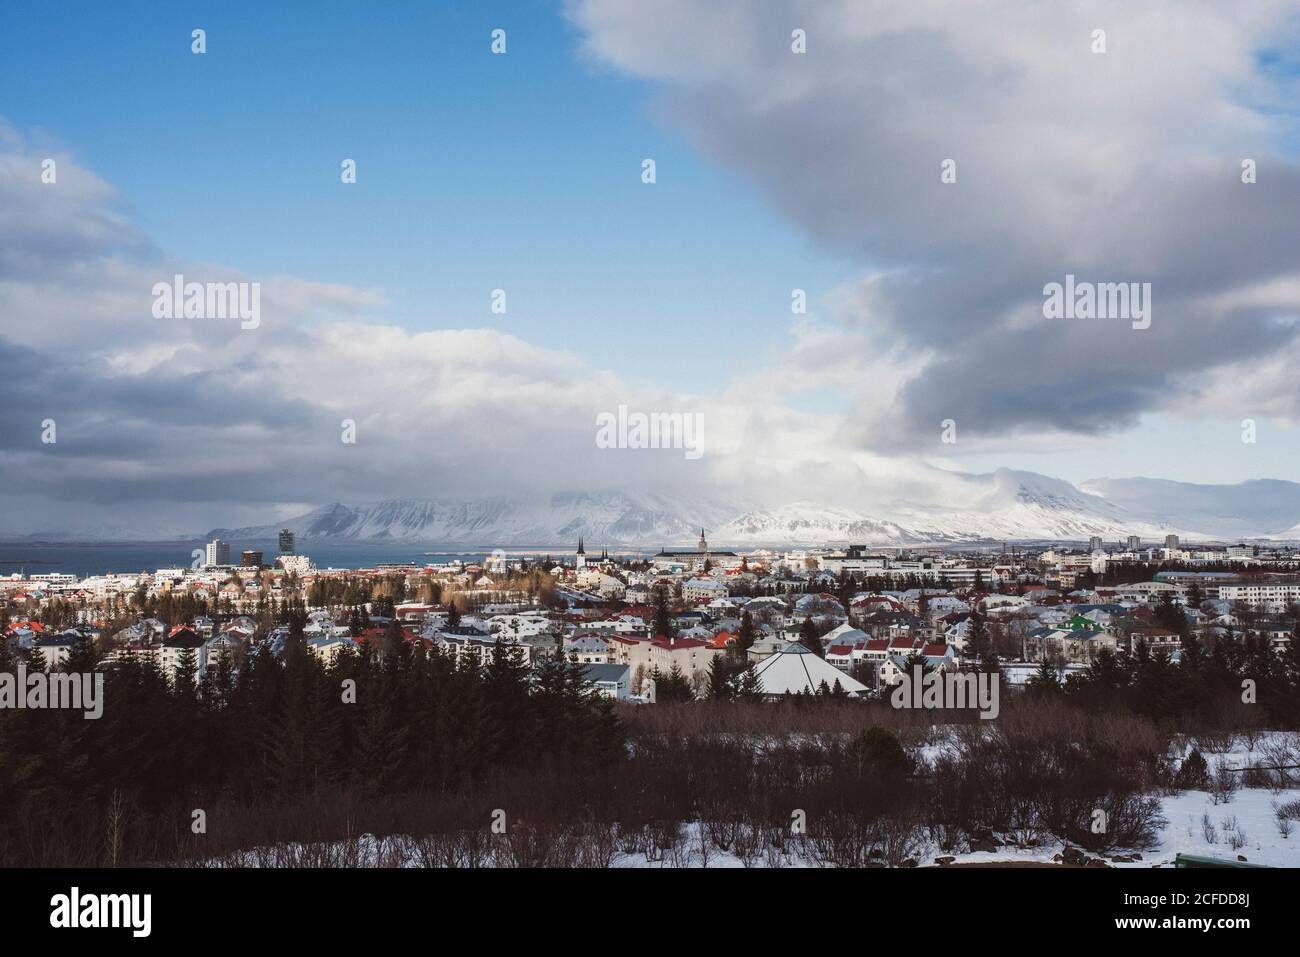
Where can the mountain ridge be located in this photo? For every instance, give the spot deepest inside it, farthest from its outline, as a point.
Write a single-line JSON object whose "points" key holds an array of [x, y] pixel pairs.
{"points": [[1004, 505]]}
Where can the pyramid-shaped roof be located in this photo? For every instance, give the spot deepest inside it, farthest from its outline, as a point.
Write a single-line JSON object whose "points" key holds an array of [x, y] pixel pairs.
{"points": [[794, 668]]}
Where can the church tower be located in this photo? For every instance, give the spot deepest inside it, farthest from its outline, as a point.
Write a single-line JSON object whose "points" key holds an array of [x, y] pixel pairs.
{"points": [[704, 550], [582, 555]]}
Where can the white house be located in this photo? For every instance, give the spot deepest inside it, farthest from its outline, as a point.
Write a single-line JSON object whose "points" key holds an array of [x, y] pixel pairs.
{"points": [[610, 681], [174, 647]]}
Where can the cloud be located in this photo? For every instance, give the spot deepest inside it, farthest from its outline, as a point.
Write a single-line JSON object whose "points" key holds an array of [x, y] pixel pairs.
{"points": [[191, 423], [1116, 167]]}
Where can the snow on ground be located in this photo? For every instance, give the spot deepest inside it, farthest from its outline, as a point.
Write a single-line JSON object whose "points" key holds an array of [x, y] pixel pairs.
{"points": [[1249, 815], [1195, 824]]}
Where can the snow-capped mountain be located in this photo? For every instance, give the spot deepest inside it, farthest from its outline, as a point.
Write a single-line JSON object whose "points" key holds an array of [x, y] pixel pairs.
{"points": [[1001, 505], [615, 518], [1265, 508]]}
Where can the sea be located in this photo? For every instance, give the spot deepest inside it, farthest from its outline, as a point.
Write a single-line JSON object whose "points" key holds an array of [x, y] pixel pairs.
{"points": [[84, 559]]}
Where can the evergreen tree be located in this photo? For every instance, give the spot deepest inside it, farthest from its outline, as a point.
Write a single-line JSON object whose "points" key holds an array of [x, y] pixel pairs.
{"points": [[976, 637], [810, 638], [1046, 681], [721, 680], [83, 656], [663, 617], [745, 640], [748, 687]]}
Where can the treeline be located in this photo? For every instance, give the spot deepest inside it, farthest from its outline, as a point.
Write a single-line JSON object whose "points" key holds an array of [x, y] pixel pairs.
{"points": [[826, 782], [291, 760], [393, 720], [1238, 684]]}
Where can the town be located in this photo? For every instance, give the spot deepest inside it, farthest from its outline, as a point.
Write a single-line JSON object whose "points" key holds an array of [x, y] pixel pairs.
{"points": [[686, 623]]}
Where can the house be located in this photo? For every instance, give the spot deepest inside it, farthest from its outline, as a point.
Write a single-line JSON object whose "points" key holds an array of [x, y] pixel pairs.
{"points": [[54, 649], [409, 611], [766, 646], [938, 657], [223, 644], [1157, 639], [587, 649], [818, 606], [609, 681], [690, 655], [181, 641], [327, 647], [841, 656], [844, 634], [703, 590], [460, 642]]}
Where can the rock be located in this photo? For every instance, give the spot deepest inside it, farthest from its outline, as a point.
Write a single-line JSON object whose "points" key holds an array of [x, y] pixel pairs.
{"points": [[1072, 855], [1096, 862], [1242, 858], [1058, 858], [909, 862], [944, 861], [977, 845]]}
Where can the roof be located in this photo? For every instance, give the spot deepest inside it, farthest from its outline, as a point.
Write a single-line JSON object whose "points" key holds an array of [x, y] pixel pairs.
{"points": [[662, 641], [794, 669], [184, 638], [595, 673]]}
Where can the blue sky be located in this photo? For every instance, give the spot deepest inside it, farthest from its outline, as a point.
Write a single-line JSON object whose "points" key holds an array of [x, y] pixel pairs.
{"points": [[523, 172], [475, 171]]}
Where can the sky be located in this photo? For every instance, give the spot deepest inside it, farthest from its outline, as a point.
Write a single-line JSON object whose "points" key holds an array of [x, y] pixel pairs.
{"points": [[522, 171]]}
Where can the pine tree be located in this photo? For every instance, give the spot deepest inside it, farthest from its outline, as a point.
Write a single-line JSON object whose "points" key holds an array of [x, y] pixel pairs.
{"points": [[747, 633], [663, 618], [721, 680], [1047, 680], [748, 687], [976, 637], [810, 638], [83, 657]]}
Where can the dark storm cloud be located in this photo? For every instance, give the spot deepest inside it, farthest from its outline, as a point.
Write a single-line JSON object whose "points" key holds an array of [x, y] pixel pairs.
{"points": [[1115, 167]]}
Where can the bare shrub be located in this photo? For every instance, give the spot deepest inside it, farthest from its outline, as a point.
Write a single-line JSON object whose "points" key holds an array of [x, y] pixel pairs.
{"points": [[1216, 742], [1286, 816], [1223, 782]]}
